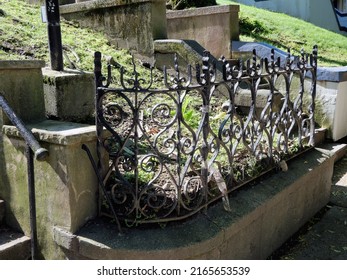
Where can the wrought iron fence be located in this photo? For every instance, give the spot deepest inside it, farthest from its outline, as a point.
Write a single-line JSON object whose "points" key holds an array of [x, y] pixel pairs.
{"points": [[172, 151]]}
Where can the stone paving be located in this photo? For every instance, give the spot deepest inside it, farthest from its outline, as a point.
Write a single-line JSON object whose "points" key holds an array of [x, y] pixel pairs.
{"points": [[324, 236]]}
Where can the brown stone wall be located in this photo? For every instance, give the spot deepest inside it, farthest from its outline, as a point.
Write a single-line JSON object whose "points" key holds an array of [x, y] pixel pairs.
{"points": [[213, 27], [132, 24]]}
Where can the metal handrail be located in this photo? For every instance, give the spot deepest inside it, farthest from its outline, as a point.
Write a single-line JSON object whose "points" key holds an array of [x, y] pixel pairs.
{"points": [[32, 148], [40, 153]]}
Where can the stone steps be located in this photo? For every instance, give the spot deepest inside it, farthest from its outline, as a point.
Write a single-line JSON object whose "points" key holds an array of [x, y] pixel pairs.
{"points": [[13, 245]]}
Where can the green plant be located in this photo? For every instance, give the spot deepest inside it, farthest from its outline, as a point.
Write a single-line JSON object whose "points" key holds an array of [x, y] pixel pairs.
{"points": [[183, 4], [284, 31], [189, 113]]}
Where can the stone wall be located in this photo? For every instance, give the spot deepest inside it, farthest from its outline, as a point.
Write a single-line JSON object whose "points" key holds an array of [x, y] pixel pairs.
{"points": [[66, 185], [263, 217], [131, 24], [69, 95], [332, 100], [213, 27], [21, 85]]}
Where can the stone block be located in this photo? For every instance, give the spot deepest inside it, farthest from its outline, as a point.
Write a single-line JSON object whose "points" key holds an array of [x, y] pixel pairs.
{"points": [[132, 24], [331, 100], [243, 100], [66, 185], [15, 249], [69, 95], [21, 85], [213, 27], [188, 52]]}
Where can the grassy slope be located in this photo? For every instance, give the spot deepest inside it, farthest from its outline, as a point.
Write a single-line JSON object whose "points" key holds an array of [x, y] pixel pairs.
{"points": [[23, 35], [285, 32]]}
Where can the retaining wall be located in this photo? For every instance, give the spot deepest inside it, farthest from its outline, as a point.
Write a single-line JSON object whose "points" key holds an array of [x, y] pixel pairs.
{"points": [[213, 27], [263, 217], [66, 185], [129, 24]]}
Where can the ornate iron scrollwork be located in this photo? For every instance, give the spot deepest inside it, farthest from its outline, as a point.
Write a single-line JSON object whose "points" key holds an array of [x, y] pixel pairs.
{"points": [[172, 151]]}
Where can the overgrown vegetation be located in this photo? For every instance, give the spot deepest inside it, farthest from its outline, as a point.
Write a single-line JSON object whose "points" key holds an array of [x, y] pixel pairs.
{"points": [[23, 35], [184, 4]]}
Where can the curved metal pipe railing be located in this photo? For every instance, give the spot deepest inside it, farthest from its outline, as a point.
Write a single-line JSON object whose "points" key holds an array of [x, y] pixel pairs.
{"points": [[33, 150]]}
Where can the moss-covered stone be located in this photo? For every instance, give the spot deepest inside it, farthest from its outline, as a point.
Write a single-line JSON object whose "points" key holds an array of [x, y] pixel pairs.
{"points": [[66, 184]]}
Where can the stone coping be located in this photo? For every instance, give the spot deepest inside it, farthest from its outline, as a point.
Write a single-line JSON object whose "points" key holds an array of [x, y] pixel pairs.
{"points": [[98, 4], [262, 49], [57, 132], [190, 50], [202, 11], [332, 74], [67, 72], [253, 208], [181, 47], [21, 64]]}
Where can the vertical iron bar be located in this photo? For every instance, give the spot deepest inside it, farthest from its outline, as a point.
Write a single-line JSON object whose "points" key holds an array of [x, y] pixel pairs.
{"points": [[54, 35], [32, 202]]}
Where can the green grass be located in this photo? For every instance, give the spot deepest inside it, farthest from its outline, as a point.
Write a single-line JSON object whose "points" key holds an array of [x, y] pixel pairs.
{"points": [[283, 31], [24, 36]]}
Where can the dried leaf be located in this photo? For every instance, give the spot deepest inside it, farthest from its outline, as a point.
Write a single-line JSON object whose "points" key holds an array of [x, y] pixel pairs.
{"points": [[222, 186], [283, 165]]}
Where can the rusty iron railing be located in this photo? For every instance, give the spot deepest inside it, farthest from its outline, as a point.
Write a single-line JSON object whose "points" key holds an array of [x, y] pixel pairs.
{"points": [[173, 150]]}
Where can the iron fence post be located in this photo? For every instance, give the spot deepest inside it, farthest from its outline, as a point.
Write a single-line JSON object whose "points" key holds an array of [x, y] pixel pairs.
{"points": [[54, 35]]}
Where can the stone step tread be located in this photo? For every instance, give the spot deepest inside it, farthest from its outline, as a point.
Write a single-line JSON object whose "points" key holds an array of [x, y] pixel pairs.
{"points": [[2, 211], [13, 245]]}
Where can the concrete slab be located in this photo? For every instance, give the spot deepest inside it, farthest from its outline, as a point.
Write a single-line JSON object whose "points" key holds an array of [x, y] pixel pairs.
{"points": [[326, 240], [13, 245], [323, 237], [339, 196]]}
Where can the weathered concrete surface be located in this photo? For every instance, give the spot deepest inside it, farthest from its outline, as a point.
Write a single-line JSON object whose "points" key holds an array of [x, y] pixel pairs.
{"points": [[189, 52], [213, 27], [263, 217], [323, 237], [69, 95], [331, 93], [129, 24], [244, 50], [13, 245], [66, 184], [21, 85]]}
